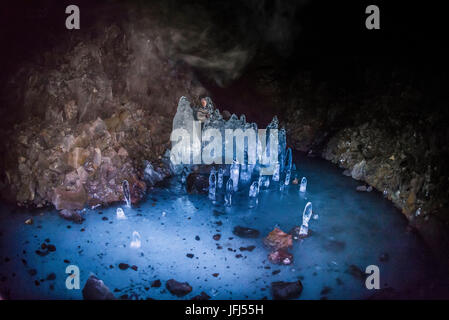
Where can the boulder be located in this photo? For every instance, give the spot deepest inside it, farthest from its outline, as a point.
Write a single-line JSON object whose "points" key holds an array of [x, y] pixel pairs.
{"points": [[244, 232], [197, 183], [178, 289], [286, 290], [95, 289], [71, 200], [71, 215], [277, 239]]}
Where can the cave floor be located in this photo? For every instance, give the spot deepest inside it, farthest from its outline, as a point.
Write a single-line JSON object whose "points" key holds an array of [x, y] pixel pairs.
{"points": [[353, 230]]}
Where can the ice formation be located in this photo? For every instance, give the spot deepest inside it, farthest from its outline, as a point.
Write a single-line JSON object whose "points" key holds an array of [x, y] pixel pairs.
{"points": [[184, 175], [220, 178], [233, 142], [120, 214], [229, 191], [126, 194], [135, 243], [306, 215], [303, 185], [253, 195], [212, 185], [234, 175]]}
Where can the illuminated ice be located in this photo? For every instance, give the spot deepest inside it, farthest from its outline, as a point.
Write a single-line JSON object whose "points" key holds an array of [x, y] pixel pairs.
{"points": [[303, 185], [287, 177], [212, 185], [253, 195], [276, 172], [306, 215], [184, 175], [220, 178], [229, 191], [126, 194], [245, 174], [120, 214], [234, 175], [136, 243]]}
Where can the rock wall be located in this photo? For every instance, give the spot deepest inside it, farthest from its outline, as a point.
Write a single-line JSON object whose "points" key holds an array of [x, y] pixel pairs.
{"points": [[390, 135], [91, 111]]}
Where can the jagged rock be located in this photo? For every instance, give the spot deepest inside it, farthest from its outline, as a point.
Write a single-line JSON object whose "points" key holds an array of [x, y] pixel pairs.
{"points": [[245, 232], [281, 256], [178, 289], [286, 290], [71, 200], [71, 215], [197, 183], [201, 296], [277, 239], [95, 289]]}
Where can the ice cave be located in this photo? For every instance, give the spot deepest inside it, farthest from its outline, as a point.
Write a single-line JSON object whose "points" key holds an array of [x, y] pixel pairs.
{"points": [[166, 151]]}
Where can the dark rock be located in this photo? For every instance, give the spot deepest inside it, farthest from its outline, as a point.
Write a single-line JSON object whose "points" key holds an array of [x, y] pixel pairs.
{"points": [[326, 290], [51, 247], [197, 183], [95, 289], [123, 266], [71, 215], [42, 253], [197, 238], [384, 257], [51, 276], [32, 272], [248, 248], [244, 232], [156, 283], [215, 274], [286, 290], [356, 272], [201, 296], [134, 267], [216, 237], [178, 289], [189, 255]]}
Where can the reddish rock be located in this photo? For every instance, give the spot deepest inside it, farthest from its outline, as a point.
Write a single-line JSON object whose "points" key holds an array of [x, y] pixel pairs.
{"points": [[71, 200], [278, 239], [178, 289]]}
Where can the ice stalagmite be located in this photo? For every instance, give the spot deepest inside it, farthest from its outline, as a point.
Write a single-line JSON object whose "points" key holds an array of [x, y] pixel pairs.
{"points": [[245, 174], [234, 175], [126, 194], [120, 214], [184, 175], [136, 243], [276, 172], [253, 195], [288, 160], [220, 178], [212, 185], [306, 215], [303, 185], [229, 191], [287, 177]]}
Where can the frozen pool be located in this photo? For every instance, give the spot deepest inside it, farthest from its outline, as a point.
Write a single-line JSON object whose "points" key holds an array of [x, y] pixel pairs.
{"points": [[353, 229]]}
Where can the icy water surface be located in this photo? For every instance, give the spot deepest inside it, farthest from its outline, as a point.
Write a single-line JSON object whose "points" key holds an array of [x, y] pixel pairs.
{"points": [[353, 230]]}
